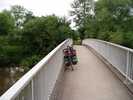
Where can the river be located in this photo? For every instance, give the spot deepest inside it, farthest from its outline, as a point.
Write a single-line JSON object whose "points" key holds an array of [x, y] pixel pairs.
{"points": [[8, 76]]}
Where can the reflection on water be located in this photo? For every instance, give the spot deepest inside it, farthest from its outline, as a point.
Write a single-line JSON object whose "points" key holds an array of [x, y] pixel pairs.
{"points": [[8, 76]]}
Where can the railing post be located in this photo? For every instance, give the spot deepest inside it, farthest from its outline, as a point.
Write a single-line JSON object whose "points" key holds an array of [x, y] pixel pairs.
{"points": [[108, 52], [32, 87], [127, 67]]}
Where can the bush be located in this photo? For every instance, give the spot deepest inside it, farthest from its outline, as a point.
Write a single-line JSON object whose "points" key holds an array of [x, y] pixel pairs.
{"points": [[10, 55], [128, 39], [29, 62], [116, 37], [104, 36]]}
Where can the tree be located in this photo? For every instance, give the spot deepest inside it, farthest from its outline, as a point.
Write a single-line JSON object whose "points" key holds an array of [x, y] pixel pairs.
{"points": [[6, 23], [113, 14], [114, 19], [21, 15], [25, 39], [42, 34], [81, 9]]}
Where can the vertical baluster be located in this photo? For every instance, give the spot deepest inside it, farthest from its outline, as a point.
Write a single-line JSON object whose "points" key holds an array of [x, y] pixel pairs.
{"points": [[127, 67], [32, 87], [108, 52], [130, 66], [131, 69]]}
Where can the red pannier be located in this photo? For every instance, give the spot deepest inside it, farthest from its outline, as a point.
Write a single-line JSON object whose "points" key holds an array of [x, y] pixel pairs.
{"points": [[66, 52]]}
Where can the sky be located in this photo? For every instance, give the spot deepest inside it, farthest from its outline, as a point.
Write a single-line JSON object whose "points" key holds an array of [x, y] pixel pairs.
{"points": [[41, 7]]}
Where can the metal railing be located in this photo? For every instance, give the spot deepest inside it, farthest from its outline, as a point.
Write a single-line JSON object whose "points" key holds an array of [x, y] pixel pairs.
{"points": [[39, 82], [120, 57]]}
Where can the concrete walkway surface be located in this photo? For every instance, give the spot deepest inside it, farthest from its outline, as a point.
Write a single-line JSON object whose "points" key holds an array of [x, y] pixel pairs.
{"points": [[92, 80]]}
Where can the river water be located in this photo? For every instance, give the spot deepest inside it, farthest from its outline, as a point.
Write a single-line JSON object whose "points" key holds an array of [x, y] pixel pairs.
{"points": [[8, 76]]}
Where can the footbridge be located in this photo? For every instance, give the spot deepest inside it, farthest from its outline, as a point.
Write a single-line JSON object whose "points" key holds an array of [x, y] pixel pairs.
{"points": [[104, 72]]}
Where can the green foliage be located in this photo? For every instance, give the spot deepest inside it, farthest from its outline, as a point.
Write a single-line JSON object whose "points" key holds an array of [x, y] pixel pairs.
{"points": [[81, 9], [10, 55], [104, 36], [128, 39], [6, 23], [21, 15], [112, 21], [113, 14], [29, 62], [116, 37], [42, 34], [77, 42], [25, 39]]}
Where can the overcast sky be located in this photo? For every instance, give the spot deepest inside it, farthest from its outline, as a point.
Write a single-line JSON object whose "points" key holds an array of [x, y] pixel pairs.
{"points": [[41, 7]]}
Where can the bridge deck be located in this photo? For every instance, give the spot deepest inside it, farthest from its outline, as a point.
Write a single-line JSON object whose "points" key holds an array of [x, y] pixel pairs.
{"points": [[92, 80]]}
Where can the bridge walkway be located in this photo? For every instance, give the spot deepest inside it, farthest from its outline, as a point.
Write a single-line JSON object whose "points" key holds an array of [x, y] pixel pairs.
{"points": [[92, 80]]}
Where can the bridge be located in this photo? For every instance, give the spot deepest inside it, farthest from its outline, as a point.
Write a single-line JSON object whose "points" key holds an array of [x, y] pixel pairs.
{"points": [[104, 72]]}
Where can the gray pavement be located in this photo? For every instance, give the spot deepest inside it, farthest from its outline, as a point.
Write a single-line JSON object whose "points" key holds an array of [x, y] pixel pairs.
{"points": [[92, 80]]}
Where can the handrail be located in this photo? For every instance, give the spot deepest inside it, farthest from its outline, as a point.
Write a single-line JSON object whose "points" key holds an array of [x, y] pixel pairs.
{"points": [[15, 90], [119, 56], [113, 44]]}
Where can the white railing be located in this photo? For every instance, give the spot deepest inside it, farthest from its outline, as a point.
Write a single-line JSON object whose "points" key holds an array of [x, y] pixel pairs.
{"points": [[39, 82], [120, 57]]}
